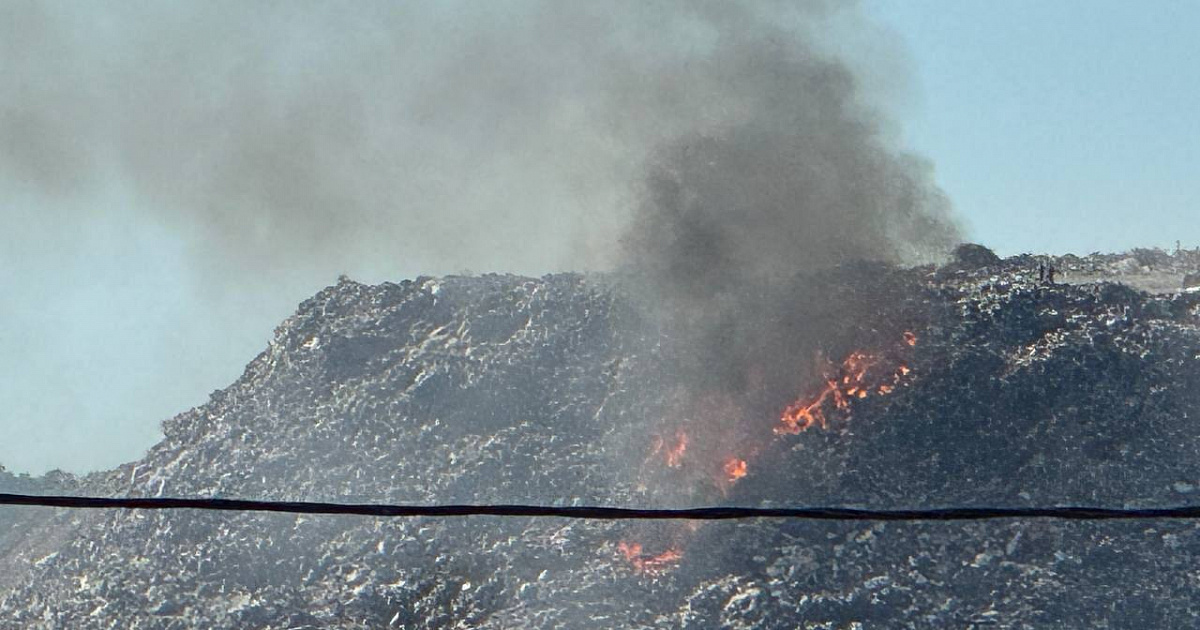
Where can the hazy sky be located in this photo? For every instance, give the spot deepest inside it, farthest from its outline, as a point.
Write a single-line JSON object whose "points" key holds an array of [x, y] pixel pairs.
{"points": [[137, 137], [1062, 126]]}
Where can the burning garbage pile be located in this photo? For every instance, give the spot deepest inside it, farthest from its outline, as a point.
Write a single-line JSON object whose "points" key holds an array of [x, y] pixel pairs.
{"points": [[859, 376], [533, 400]]}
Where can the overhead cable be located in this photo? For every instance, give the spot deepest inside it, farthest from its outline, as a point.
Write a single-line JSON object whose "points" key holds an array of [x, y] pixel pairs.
{"points": [[716, 513]]}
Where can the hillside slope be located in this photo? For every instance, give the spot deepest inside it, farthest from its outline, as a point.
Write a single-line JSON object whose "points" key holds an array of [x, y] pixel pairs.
{"points": [[941, 387]]}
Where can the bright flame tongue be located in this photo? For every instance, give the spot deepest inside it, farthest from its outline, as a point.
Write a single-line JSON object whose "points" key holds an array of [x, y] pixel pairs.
{"points": [[851, 383]]}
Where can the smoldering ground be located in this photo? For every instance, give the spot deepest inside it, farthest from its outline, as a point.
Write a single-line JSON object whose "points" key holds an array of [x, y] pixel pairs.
{"points": [[763, 246], [183, 174]]}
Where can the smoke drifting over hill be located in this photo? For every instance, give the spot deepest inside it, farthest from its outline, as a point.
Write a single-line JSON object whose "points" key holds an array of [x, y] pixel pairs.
{"points": [[265, 148], [283, 129], [798, 178]]}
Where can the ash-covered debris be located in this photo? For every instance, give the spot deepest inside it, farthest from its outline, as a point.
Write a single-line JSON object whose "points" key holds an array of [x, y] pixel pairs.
{"points": [[972, 256], [555, 390], [27, 535], [1133, 261], [1191, 281], [1152, 270]]}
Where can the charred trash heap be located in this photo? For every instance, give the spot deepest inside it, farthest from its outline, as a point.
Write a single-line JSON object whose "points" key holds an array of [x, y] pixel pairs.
{"points": [[972, 384]]}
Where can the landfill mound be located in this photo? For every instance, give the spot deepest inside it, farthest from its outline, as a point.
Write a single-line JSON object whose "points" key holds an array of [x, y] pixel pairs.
{"points": [[968, 385]]}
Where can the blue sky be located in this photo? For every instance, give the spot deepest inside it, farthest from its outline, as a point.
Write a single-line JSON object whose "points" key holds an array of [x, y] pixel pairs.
{"points": [[133, 289], [1062, 126]]}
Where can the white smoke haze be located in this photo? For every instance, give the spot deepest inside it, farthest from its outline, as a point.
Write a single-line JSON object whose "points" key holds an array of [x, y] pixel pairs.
{"points": [[175, 177]]}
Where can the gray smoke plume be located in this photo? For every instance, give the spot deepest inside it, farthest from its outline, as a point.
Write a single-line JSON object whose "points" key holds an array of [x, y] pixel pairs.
{"points": [[300, 134], [210, 164], [790, 173]]}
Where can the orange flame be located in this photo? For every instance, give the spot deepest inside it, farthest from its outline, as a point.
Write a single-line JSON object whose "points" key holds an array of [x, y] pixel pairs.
{"points": [[801, 415], [804, 414], [860, 375], [856, 379], [735, 468], [645, 563], [672, 455]]}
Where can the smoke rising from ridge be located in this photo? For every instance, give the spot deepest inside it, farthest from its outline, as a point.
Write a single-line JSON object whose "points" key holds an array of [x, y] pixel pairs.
{"points": [[245, 154], [799, 178]]}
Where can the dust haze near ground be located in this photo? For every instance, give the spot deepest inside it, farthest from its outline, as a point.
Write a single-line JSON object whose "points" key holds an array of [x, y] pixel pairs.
{"points": [[177, 177]]}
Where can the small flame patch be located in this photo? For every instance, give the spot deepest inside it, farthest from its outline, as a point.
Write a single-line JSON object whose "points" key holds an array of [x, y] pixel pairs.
{"points": [[734, 469], [672, 453], [643, 562]]}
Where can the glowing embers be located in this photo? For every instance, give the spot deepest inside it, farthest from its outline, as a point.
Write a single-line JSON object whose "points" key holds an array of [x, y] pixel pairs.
{"points": [[705, 446], [688, 461], [671, 451], [734, 469], [643, 562], [860, 375]]}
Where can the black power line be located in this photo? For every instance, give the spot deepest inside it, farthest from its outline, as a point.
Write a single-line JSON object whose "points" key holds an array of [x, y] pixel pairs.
{"points": [[609, 513]]}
